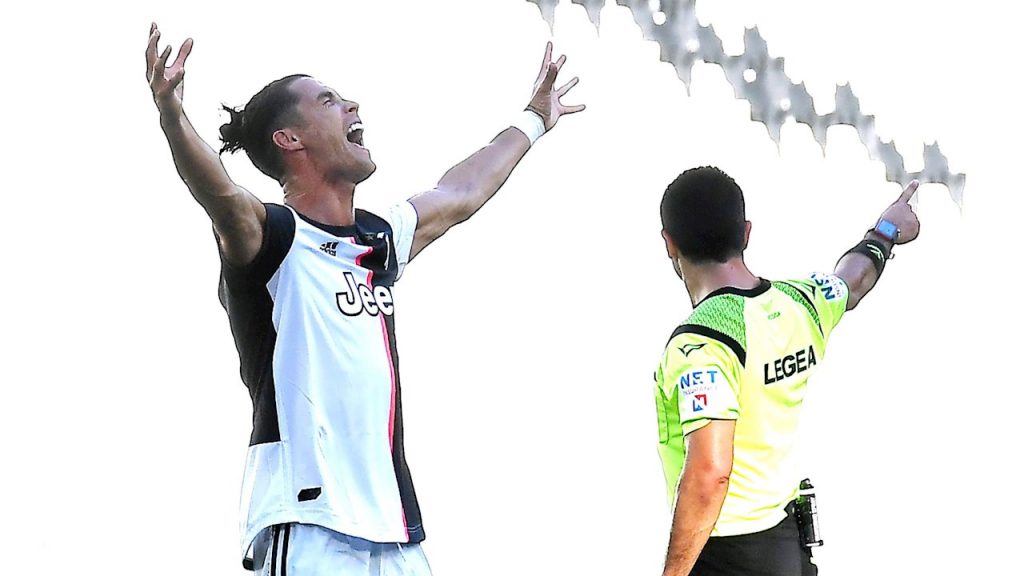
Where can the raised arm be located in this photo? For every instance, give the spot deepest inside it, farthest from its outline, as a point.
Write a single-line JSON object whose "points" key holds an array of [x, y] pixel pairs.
{"points": [[862, 265], [469, 184], [237, 215]]}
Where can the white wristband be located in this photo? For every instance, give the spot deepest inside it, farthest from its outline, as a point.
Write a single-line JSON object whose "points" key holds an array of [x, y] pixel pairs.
{"points": [[531, 124]]}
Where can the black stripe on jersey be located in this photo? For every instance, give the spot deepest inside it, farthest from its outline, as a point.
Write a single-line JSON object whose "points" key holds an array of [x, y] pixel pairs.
{"points": [[243, 294], [712, 333], [382, 262], [406, 490], [284, 549], [273, 550]]}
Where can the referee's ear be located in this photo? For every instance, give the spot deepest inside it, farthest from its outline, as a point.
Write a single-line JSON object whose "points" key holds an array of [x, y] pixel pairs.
{"points": [[746, 234], [670, 246]]}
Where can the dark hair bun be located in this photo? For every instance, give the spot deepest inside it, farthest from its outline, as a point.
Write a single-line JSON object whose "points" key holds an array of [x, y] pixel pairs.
{"points": [[231, 134]]}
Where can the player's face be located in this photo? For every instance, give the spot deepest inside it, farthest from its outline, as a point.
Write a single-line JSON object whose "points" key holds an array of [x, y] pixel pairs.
{"points": [[332, 132]]}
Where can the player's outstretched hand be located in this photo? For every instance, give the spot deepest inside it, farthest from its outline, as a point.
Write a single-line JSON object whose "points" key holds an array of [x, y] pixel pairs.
{"points": [[165, 81], [547, 100], [902, 215]]}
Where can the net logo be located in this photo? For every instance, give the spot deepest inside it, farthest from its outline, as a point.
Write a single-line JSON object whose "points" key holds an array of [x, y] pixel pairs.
{"points": [[698, 378], [357, 298], [789, 365], [700, 402]]}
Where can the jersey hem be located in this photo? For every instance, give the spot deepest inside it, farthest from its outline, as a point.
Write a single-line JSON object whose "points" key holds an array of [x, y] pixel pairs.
{"points": [[751, 527], [327, 520]]}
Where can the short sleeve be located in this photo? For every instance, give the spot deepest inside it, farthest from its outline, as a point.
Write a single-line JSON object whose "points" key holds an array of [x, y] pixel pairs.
{"points": [[403, 219], [828, 295], [706, 376]]}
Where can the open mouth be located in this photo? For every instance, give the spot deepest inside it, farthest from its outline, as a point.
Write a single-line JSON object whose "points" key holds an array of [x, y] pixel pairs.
{"points": [[355, 134]]}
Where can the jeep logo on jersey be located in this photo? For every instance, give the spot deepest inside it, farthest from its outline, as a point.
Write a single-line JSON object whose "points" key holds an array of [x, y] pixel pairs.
{"points": [[789, 365], [356, 298]]}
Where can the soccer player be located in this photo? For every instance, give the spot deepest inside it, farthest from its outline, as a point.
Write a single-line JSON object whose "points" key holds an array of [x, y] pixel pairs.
{"points": [[732, 379], [307, 289]]}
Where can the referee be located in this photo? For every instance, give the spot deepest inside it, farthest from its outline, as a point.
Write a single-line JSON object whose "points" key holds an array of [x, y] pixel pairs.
{"points": [[732, 379], [307, 289]]}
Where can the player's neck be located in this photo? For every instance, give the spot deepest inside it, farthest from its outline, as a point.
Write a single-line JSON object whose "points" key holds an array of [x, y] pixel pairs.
{"points": [[330, 203], [703, 279]]}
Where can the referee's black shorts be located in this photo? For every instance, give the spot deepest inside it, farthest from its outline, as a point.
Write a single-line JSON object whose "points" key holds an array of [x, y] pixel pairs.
{"points": [[774, 552]]}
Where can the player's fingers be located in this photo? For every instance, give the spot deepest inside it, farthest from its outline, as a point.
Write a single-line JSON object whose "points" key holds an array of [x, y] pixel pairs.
{"points": [[549, 79], [161, 62], [183, 53], [560, 61], [154, 37], [909, 191], [175, 79], [573, 109], [568, 86], [544, 64]]}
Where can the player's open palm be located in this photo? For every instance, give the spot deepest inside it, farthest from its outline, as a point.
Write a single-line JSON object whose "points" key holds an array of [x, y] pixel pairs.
{"points": [[165, 81], [901, 213], [547, 100]]}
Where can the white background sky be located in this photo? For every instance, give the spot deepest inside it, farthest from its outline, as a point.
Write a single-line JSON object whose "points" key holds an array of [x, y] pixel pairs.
{"points": [[529, 334]]}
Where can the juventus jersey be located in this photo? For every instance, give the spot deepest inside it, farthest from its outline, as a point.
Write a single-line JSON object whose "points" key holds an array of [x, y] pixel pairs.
{"points": [[313, 321]]}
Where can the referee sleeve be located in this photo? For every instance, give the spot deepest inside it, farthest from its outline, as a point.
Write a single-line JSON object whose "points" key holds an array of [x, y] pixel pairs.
{"points": [[830, 298], [706, 378], [827, 295]]}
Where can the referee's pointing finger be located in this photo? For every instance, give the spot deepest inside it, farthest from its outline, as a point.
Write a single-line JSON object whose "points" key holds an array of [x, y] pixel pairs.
{"points": [[909, 191]]}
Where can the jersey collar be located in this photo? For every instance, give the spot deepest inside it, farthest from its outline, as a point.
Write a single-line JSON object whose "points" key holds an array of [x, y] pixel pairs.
{"points": [[761, 288]]}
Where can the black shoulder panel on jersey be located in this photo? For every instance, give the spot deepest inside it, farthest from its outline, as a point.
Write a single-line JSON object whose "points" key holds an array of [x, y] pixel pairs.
{"points": [[382, 261], [278, 234], [729, 341]]}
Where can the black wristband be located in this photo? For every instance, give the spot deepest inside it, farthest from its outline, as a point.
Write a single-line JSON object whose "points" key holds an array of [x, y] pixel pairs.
{"points": [[874, 250]]}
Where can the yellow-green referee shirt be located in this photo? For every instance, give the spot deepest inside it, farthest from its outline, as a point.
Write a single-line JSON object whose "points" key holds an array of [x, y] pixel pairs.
{"points": [[746, 355]]}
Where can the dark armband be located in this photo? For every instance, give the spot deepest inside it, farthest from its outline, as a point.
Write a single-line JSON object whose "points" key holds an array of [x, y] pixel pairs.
{"points": [[876, 251]]}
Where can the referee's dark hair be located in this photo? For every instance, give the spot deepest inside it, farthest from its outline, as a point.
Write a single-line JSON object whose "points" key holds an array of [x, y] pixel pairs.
{"points": [[703, 213], [252, 127]]}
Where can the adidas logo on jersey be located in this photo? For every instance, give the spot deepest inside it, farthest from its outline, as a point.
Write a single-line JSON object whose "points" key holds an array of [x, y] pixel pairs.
{"points": [[357, 298], [330, 248]]}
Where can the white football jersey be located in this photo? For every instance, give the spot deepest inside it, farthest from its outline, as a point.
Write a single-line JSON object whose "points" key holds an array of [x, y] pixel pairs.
{"points": [[313, 321]]}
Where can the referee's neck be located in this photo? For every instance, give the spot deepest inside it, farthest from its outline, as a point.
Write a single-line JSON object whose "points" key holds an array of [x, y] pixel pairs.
{"points": [[705, 278]]}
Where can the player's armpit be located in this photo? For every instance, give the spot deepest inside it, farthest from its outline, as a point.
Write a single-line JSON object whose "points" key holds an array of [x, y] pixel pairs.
{"points": [[239, 221]]}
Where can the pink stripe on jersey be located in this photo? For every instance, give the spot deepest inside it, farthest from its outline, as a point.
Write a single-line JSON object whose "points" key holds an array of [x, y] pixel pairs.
{"points": [[391, 368], [387, 349]]}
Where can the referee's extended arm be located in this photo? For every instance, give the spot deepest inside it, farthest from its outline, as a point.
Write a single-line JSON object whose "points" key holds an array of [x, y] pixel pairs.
{"points": [[861, 267], [237, 215]]}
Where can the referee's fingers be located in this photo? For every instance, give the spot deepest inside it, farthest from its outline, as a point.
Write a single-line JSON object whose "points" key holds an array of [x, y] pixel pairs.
{"points": [[909, 191]]}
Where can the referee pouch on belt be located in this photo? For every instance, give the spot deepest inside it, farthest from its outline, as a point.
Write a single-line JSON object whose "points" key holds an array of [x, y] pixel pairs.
{"points": [[805, 508]]}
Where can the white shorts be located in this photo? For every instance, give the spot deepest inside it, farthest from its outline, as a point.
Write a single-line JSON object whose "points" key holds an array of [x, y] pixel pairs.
{"points": [[307, 550]]}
